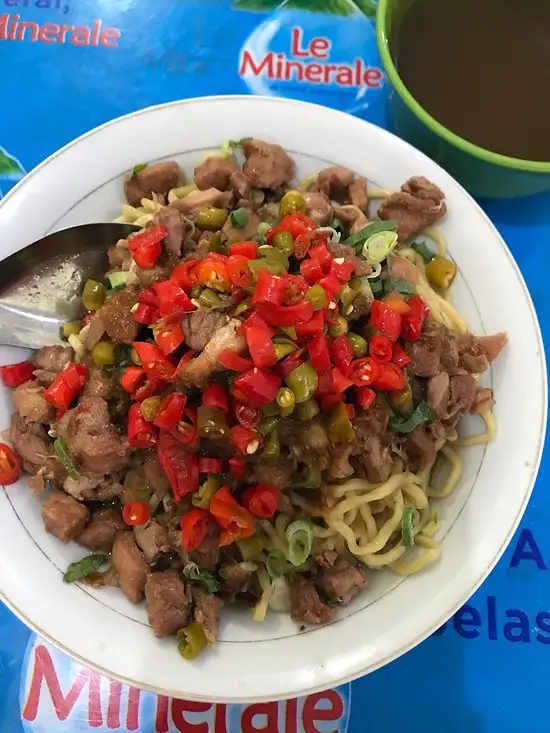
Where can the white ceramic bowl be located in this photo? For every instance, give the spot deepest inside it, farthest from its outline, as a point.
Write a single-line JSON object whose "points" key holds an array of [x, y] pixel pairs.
{"points": [[83, 183]]}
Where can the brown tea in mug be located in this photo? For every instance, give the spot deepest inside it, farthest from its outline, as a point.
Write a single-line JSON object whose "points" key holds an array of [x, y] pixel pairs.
{"points": [[482, 69]]}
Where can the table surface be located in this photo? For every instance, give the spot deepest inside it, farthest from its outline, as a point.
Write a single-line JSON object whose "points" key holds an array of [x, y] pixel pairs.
{"points": [[69, 65]]}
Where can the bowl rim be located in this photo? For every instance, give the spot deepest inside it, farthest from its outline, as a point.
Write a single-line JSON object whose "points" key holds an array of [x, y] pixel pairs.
{"points": [[496, 556], [487, 156]]}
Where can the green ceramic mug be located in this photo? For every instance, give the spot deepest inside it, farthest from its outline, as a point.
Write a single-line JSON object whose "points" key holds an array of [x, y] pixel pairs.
{"points": [[482, 172]]}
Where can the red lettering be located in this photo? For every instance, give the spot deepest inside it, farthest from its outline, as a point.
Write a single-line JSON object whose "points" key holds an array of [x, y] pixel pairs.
{"points": [[344, 77], [328, 69], [80, 36], [3, 26], [63, 32], [180, 707], [109, 34], [291, 716], [33, 27], [13, 27], [220, 720], [46, 30], [314, 73], [320, 47], [296, 46], [95, 33], [268, 712], [312, 714], [113, 711], [43, 669], [247, 62], [373, 78], [161, 721], [132, 717], [289, 67]]}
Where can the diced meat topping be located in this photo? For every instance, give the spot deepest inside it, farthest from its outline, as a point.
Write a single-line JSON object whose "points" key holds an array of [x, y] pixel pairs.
{"points": [[99, 533], [52, 358], [306, 604], [343, 251], [341, 185], [276, 472], [341, 581], [170, 219], [129, 565], [152, 538], [117, 317], [31, 443], [63, 516], [372, 443], [155, 178], [168, 607], [198, 370], [119, 256], [29, 402], [200, 326], [207, 612], [215, 172], [353, 216], [246, 232], [267, 165], [319, 208], [417, 206], [93, 440]]}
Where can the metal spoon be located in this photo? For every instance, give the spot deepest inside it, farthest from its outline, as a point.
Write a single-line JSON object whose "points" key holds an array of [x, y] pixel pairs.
{"points": [[41, 285]]}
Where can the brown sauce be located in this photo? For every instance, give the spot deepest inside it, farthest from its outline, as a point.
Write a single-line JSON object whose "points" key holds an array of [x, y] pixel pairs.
{"points": [[482, 69]]}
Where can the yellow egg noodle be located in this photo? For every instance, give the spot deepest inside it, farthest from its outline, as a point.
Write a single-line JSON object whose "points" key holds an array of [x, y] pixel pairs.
{"points": [[367, 518]]}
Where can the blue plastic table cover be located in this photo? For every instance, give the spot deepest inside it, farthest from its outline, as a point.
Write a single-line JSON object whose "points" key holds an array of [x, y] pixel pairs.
{"points": [[69, 65]]}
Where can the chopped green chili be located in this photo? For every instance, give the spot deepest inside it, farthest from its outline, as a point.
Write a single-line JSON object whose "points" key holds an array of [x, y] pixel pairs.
{"points": [[203, 496], [191, 641], [303, 381]]}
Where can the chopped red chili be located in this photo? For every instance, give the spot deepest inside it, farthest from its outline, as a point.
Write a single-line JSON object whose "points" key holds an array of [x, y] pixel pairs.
{"points": [[365, 397], [340, 381], [10, 465], [342, 354], [245, 249], [262, 500], [342, 270], [311, 271], [232, 361], [195, 525], [380, 348], [154, 361], [215, 396], [238, 271], [399, 356], [295, 223], [210, 465], [364, 372], [172, 298], [390, 378], [185, 275], [170, 337], [261, 348], [170, 412], [259, 386], [146, 247], [385, 320], [181, 467], [132, 379], [236, 521], [141, 433], [135, 513], [15, 374], [146, 314], [237, 467], [246, 441], [413, 321], [319, 353], [248, 417]]}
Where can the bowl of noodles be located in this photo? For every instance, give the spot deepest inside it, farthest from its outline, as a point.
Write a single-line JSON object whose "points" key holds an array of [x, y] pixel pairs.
{"points": [[289, 411]]}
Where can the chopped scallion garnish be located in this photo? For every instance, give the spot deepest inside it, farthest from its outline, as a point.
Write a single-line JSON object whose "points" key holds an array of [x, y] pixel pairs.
{"points": [[300, 541], [239, 217], [62, 452], [359, 238], [137, 169], [422, 413], [423, 250], [407, 527]]}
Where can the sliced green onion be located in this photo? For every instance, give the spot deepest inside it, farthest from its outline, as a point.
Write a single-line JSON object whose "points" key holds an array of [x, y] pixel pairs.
{"points": [[263, 228], [336, 224], [239, 217], [137, 169], [118, 279], [312, 480], [378, 246], [396, 285], [84, 567], [276, 564], [407, 527], [300, 541], [208, 581], [423, 250], [62, 452], [422, 413], [359, 238]]}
